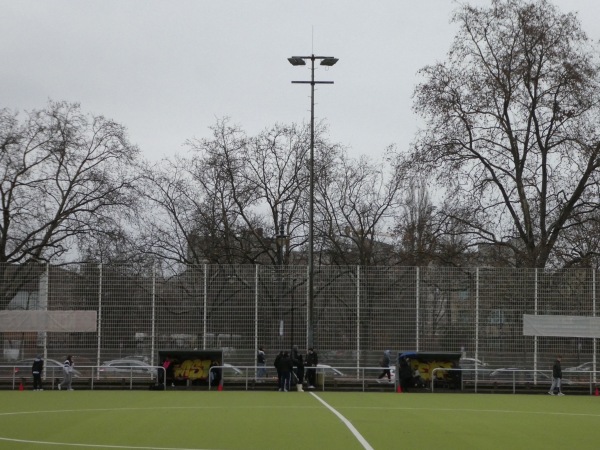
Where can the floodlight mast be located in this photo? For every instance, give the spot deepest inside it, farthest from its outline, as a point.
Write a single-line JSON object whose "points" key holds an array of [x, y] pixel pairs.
{"points": [[301, 61]]}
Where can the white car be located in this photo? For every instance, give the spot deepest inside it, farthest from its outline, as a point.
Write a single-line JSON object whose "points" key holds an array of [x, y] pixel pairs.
{"points": [[585, 367], [126, 367], [472, 365], [329, 371]]}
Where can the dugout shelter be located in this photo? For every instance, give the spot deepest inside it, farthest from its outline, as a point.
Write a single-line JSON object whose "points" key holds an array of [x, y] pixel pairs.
{"points": [[191, 367], [426, 362]]}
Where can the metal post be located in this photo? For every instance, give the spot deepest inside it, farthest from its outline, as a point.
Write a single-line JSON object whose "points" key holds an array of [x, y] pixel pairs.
{"points": [[99, 314], [535, 338], [300, 61], [153, 319], [418, 307], [357, 320], [311, 210], [594, 342]]}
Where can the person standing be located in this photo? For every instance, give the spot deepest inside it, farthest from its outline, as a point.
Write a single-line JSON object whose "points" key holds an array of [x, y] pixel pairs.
{"points": [[261, 362], [405, 375], [384, 362], [277, 364], [556, 377], [68, 374], [36, 370], [312, 361], [299, 364], [286, 366]]}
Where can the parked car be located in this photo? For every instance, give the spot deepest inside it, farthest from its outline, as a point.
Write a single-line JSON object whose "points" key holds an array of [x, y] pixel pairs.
{"points": [[142, 358], [329, 371], [523, 376], [585, 367], [472, 365], [232, 371], [52, 367], [125, 367]]}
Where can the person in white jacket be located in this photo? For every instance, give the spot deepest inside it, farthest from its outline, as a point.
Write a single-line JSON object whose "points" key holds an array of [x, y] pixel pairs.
{"points": [[68, 374]]}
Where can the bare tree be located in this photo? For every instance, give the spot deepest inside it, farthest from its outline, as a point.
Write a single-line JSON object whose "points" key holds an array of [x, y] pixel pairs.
{"points": [[415, 227], [511, 131], [63, 175], [356, 202], [223, 203]]}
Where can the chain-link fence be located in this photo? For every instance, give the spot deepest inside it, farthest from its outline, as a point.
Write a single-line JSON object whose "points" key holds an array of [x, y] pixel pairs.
{"points": [[358, 312]]}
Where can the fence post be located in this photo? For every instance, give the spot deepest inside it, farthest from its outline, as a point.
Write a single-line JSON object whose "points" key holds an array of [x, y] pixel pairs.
{"points": [[535, 338], [594, 314], [153, 318], [476, 322], [45, 290], [418, 306], [204, 311], [255, 322], [357, 318], [99, 313]]}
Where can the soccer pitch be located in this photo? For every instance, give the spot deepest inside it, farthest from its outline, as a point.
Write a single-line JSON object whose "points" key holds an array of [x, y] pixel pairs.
{"points": [[231, 420]]}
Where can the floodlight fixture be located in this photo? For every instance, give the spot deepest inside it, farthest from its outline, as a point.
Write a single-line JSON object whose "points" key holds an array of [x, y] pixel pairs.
{"points": [[295, 61], [329, 61]]}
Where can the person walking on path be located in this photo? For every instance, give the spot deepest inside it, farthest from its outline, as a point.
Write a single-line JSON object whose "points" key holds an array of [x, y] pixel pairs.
{"points": [[384, 362], [68, 374], [261, 362], [556, 377], [36, 370]]}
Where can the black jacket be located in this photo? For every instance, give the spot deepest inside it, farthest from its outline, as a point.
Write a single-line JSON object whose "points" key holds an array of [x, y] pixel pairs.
{"points": [[312, 359], [286, 363], [556, 370], [37, 366]]}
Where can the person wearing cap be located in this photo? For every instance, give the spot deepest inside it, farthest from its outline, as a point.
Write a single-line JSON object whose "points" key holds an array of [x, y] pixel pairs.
{"points": [[36, 370]]}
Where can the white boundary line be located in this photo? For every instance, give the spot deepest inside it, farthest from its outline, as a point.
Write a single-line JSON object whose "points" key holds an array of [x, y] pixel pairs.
{"points": [[346, 422], [66, 444]]}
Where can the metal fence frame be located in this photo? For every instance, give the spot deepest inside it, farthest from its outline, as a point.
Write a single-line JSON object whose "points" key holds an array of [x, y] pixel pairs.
{"points": [[359, 311]]}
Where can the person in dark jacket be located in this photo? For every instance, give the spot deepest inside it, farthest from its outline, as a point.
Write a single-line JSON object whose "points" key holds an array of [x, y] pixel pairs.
{"points": [[384, 362], [36, 370], [277, 364], [286, 366], [261, 363], [298, 362], [312, 360], [556, 377], [405, 375]]}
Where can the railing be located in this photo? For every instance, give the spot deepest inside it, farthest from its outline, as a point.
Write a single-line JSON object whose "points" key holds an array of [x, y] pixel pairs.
{"points": [[17, 374], [362, 375], [516, 377]]}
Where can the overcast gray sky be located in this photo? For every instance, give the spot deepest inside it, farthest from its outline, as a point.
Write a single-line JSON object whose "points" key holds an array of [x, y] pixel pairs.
{"points": [[168, 69]]}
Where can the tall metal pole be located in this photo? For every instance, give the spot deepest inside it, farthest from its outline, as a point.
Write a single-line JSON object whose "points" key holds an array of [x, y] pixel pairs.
{"points": [[310, 332], [300, 61]]}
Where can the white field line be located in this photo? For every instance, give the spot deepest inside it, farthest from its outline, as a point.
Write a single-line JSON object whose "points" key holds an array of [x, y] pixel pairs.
{"points": [[346, 422]]}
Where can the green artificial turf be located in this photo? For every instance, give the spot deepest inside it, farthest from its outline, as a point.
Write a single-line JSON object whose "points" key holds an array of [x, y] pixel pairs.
{"points": [[274, 420]]}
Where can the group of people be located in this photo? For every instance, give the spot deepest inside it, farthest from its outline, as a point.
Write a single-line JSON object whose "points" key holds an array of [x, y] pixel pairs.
{"points": [[406, 377], [291, 370], [37, 368], [291, 367]]}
